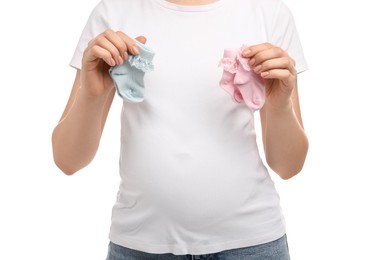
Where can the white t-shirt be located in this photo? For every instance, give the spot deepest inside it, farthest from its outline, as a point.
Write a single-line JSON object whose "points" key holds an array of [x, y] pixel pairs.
{"points": [[192, 179]]}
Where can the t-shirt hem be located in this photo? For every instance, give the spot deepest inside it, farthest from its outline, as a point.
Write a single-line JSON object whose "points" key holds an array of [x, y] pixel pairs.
{"points": [[301, 66], [75, 63], [177, 249]]}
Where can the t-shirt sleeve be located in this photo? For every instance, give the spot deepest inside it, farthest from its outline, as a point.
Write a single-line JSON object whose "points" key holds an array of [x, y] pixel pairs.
{"points": [[283, 33], [97, 22]]}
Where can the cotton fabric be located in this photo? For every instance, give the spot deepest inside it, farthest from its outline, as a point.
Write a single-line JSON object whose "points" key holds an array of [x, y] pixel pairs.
{"points": [[192, 178]]}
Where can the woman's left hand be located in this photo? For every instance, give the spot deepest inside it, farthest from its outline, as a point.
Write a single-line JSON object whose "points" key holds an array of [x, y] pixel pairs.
{"points": [[277, 70]]}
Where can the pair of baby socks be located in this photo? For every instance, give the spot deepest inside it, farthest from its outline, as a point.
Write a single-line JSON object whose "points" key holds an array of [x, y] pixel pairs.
{"points": [[238, 79], [129, 76]]}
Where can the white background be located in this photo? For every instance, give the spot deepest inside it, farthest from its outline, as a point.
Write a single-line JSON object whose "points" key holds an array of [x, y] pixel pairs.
{"points": [[331, 207]]}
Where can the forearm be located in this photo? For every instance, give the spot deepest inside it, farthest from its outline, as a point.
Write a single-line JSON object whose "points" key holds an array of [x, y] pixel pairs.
{"points": [[286, 143], [76, 138]]}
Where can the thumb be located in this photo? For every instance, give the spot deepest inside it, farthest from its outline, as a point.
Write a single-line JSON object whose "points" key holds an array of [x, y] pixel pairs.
{"points": [[141, 39]]}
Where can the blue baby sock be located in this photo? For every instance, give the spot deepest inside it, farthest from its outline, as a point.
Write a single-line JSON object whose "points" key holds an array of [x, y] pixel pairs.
{"points": [[129, 76]]}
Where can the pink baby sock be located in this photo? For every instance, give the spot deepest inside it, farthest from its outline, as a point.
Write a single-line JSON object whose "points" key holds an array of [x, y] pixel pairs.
{"points": [[230, 66], [243, 84], [249, 83]]}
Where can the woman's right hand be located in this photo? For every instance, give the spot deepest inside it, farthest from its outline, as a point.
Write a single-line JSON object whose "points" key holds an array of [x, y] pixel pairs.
{"points": [[108, 49]]}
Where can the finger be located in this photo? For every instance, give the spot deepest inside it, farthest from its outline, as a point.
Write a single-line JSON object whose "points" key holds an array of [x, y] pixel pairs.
{"points": [[141, 39], [130, 43], [267, 54], [109, 41], [98, 52], [279, 63], [250, 51], [114, 38], [280, 74], [104, 43]]}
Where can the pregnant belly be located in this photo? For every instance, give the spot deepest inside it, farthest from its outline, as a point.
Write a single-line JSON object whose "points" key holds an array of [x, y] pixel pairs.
{"points": [[189, 190]]}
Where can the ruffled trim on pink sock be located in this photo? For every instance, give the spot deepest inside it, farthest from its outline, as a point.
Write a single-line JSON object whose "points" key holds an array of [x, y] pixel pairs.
{"points": [[234, 63], [231, 65]]}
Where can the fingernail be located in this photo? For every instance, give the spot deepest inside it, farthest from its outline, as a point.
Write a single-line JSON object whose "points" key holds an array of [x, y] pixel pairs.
{"points": [[125, 55], [251, 62], [246, 52], [120, 60], [135, 50], [265, 74], [112, 62]]}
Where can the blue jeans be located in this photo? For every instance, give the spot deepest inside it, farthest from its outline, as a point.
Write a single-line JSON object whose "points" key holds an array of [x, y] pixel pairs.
{"points": [[275, 250]]}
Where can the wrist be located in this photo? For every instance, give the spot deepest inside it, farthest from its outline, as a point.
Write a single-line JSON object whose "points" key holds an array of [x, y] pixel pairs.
{"points": [[94, 94], [279, 109]]}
